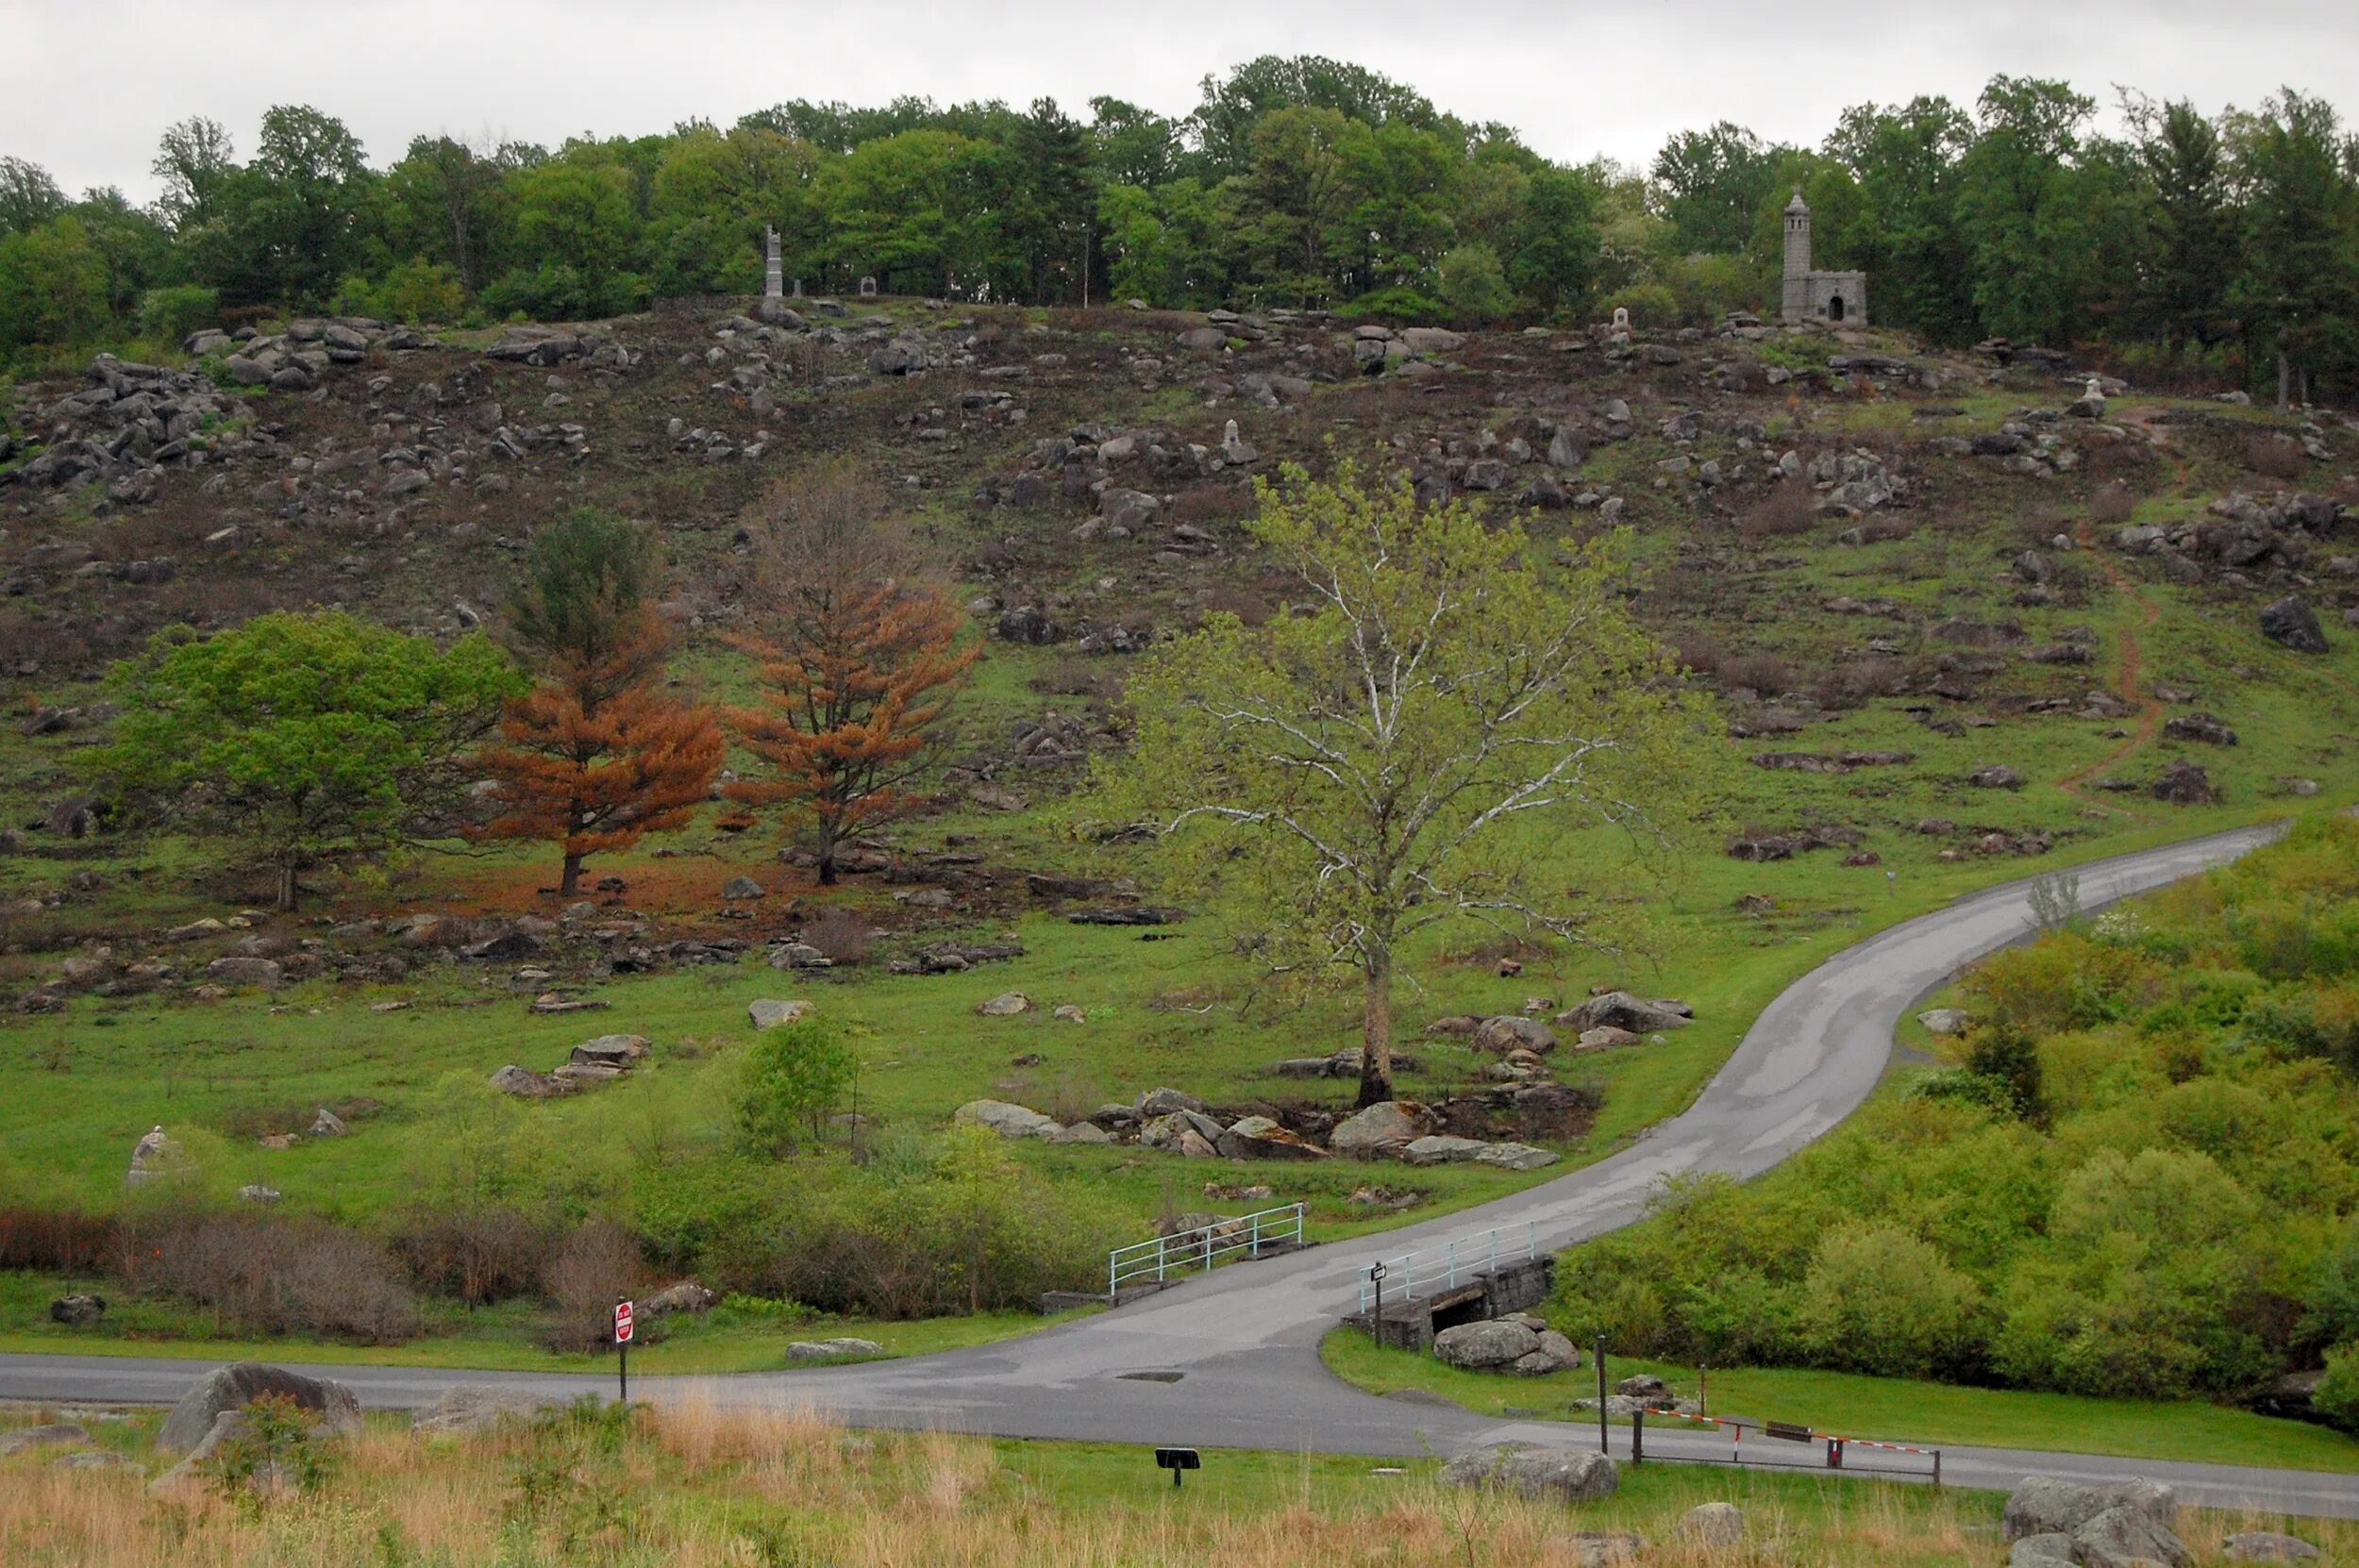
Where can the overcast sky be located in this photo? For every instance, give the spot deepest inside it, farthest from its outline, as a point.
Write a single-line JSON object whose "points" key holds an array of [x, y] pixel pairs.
{"points": [[86, 86]]}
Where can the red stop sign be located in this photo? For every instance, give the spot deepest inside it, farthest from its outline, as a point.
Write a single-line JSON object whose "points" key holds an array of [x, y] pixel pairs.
{"points": [[621, 1322]]}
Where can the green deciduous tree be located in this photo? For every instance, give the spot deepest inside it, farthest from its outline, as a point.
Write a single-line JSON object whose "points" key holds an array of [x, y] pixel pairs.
{"points": [[53, 286], [2024, 233], [195, 162], [1905, 163], [1553, 259], [2298, 286], [2189, 258], [1712, 183], [296, 217], [925, 206], [1420, 750], [301, 739], [1474, 285], [28, 197], [792, 1075]]}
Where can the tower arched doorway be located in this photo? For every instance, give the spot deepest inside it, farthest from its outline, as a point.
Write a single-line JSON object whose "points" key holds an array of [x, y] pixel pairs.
{"points": [[1834, 307]]}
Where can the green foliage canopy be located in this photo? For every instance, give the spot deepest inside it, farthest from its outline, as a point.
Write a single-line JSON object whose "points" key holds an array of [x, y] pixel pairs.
{"points": [[1419, 750], [302, 737]]}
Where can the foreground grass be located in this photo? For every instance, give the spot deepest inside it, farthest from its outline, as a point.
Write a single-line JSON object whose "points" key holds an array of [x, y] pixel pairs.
{"points": [[694, 1486], [1890, 1408]]}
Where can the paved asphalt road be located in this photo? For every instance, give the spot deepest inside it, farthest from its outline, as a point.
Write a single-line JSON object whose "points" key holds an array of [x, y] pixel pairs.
{"points": [[1244, 1341]]}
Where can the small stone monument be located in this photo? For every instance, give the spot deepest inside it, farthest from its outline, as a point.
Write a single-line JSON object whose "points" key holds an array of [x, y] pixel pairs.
{"points": [[868, 287], [156, 1158], [774, 274], [1621, 318]]}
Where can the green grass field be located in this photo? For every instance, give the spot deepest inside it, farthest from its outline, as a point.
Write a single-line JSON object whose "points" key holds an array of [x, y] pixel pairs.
{"points": [[1886, 1408]]}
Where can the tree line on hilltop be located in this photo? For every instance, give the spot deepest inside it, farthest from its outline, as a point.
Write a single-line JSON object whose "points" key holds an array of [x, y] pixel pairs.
{"points": [[2226, 243]]}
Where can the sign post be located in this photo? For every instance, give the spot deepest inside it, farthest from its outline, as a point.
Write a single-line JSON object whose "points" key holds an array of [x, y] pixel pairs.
{"points": [[1604, 1447], [622, 1343], [1376, 1324]]}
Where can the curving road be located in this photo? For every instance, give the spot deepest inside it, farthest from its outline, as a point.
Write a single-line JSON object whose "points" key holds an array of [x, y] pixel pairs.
{"points": [[1243, 1341]]}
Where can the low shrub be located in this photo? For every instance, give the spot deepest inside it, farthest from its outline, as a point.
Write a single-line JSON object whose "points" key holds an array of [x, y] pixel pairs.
{"points": [[276, 1275], [56, 1241], [1784, 513], [1764, 673], [584, 1273], [476, 1256], [840, 935], [173, 313], [2112, 505]]}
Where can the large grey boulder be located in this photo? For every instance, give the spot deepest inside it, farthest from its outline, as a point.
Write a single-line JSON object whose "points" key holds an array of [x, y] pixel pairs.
{"points": [[769, 1012], [2040, 1551], [233, 1388], [2129, 1536], [1512, 1032], [1384, 1127], [56, 1434], [2268, 1547], [2046, 1505], [1260, 1137], [687, 1295], [1485, 1346], [477, 1407], [526, 1084], [1006, 1119], [1162, 1102], [1945, 1020], [610, 1050], [1554, 1353], [1514, 1157], [1555, 1475], [1441, 1149], [263, 973], [1619, 1009], [831, 1350], [2291, 623], [1713, 1525]]}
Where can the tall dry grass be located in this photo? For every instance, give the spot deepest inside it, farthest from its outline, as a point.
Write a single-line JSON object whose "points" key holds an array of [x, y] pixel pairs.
{"points": [[699, 1485]]}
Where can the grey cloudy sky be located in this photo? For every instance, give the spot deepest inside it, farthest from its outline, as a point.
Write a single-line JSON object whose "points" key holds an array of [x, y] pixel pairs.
{"points": [[86, 86]]}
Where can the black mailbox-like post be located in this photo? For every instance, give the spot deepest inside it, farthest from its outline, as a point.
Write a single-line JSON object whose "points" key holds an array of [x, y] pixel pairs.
{"points": [[1178, 1462], [1376, 1324]]}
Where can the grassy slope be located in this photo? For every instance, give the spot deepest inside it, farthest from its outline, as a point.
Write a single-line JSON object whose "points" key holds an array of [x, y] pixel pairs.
{"points": [[1888, 1409], [78, 1088]]}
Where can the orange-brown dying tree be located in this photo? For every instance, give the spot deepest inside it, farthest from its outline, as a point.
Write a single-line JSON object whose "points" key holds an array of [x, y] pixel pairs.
{"points": [[859, 655], [596, 754]]}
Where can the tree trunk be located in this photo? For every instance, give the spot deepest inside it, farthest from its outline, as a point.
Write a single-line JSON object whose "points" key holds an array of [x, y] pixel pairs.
{"points": [[2284, 377], [1375, 1032], [570, 884], [286, 889], [827, 865]]}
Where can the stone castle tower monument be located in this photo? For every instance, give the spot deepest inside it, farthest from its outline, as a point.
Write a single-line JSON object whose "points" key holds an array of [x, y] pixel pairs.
{"points": [[1815, 295]]}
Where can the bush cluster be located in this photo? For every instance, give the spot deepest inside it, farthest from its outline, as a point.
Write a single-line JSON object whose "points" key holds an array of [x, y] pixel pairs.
{"points": [[2140, 1177]]}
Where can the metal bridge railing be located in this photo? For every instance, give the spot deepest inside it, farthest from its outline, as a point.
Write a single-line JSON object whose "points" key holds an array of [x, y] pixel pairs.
{"points": [[1445, 1267], [1199, 1249]]}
